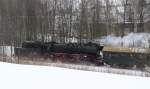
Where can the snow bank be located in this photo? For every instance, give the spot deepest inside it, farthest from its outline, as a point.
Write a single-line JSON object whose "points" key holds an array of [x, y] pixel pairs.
{"points": [[141, 40], [15, 76]]}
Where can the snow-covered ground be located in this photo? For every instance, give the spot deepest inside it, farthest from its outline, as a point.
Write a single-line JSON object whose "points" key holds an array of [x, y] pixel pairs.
{"points": [[14, 76]]}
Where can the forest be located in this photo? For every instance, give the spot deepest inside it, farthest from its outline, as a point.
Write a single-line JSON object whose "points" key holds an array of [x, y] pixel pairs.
{"points": [[65, 20]]}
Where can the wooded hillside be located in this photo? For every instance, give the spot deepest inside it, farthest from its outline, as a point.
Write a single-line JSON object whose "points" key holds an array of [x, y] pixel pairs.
{"points": [[62, 20]]}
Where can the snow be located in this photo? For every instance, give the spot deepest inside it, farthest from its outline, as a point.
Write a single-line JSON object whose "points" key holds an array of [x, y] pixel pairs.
{"points": [[14, 76]]}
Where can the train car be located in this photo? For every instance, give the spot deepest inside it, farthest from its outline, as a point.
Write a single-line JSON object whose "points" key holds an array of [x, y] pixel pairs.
{"points": [[126, 57]]}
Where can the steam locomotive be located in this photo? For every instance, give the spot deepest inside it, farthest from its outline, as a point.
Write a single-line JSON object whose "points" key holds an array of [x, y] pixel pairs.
{"points": [[68, 52], [90, 53]]}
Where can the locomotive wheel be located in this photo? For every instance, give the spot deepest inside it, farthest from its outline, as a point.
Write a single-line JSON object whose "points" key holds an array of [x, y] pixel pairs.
{"points": [[86, 60], [60, 57]]}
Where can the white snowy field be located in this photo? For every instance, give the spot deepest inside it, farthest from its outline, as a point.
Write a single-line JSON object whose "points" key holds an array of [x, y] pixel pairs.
{"points": [[14, 76]]}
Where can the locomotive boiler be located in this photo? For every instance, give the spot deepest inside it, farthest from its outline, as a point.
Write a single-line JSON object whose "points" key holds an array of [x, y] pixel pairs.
{"points": [[68, 52]]}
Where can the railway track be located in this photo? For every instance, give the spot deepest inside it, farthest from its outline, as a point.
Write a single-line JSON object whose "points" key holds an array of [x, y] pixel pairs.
{"points": [[85, 67]]}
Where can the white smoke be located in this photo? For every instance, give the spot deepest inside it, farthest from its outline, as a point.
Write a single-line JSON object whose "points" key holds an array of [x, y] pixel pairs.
{"points": [[7, 50], [141, 40]]}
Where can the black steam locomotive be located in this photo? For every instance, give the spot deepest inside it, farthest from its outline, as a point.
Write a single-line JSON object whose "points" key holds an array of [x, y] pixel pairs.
{"points": [[72, 52], [90, 53]]}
